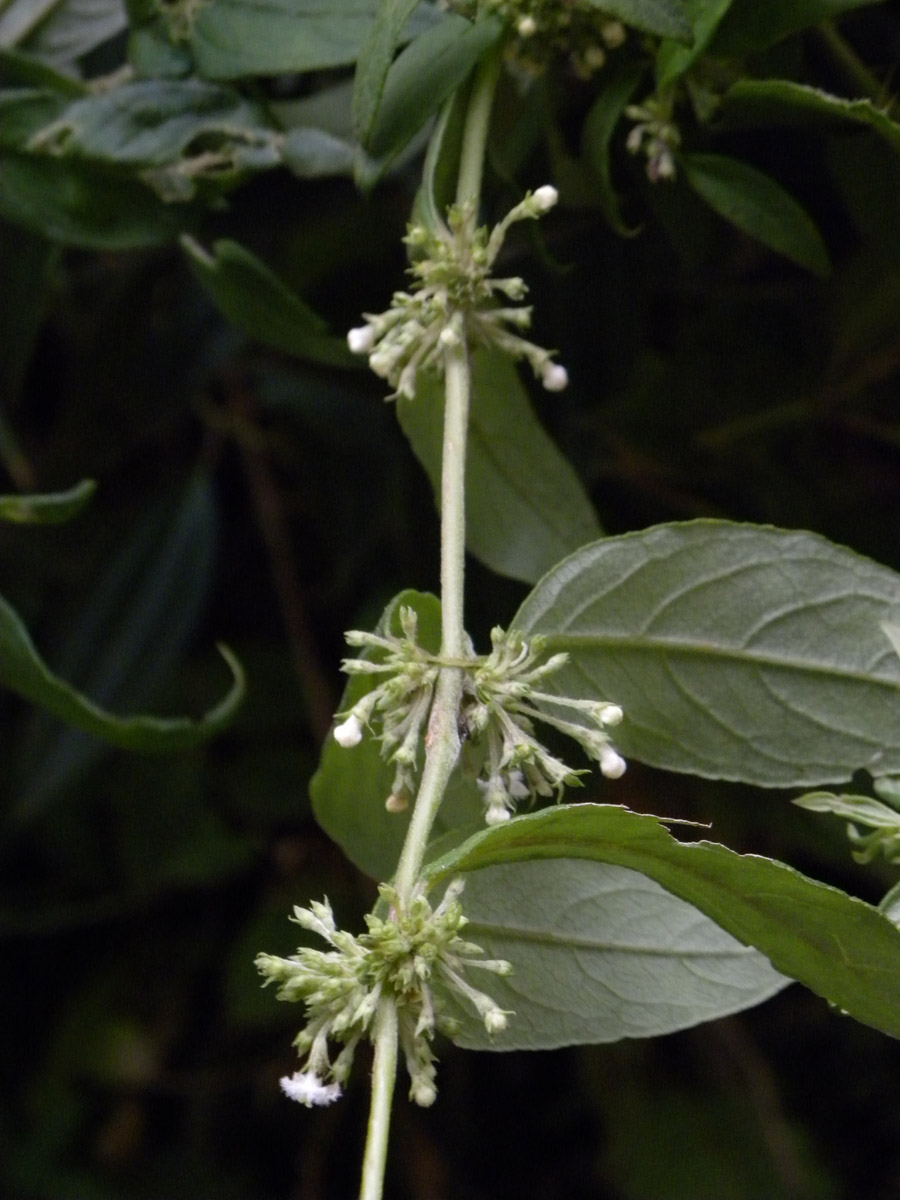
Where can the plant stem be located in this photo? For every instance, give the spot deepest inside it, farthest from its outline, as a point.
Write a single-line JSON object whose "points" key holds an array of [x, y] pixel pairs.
{"points": [[478, 119], [384, 1072]]}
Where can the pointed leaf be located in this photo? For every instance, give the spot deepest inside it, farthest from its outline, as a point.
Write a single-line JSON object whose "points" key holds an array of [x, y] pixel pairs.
{"points": [[674, 58], [525, 506], [840, 947], [737, 651], [758, 206], [665, 18], [753, 25], [375, 57], [47, 509]]}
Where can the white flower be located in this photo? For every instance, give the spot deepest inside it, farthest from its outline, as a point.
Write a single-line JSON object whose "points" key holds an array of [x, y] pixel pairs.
{"points": [[306, 1088], [362, 339], [554, 377], [612, 765], [495, 1021], [545, 197], [527, 27], [349, 733], [496, 814]]}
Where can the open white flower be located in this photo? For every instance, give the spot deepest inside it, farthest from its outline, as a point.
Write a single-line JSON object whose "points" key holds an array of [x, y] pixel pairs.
{"points": [[307, 1088]]}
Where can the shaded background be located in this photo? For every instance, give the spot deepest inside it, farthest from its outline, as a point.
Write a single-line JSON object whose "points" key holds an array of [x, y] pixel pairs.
{"points": [[254, 499]]}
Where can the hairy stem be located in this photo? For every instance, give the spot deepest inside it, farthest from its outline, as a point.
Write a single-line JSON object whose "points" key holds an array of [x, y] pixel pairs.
{"points": [[384, 1072]]}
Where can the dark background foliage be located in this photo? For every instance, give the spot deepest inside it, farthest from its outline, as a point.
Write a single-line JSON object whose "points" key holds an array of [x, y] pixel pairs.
{"points": [[250, 496]]}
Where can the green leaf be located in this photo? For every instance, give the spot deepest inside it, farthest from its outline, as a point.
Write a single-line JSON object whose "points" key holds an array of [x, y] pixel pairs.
{"points": [[425, 74], [665, 18], [351, 785], [262, 305], [23, 671], [626, 958], [233, 38], [762, 102], [737, 651], [375, 57], [619, 84], [525, 505], [838, 946], [674, 58], [47, 509], [753, 25], [759, 206], [61, 31]]}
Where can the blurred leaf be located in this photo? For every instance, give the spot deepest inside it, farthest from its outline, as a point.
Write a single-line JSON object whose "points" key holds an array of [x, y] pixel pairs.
{"points": [[838, 946], [316, 154], [750, 26], [758, 206], [24, 298], [763, 102], [737, 651], [47, 509], [61, 31], [351, 785], [665, 18], [262, 305], [627, 958], [525, 506], [424, 76], [439, 171], [375, 56], [620, 82], [674, 58]]}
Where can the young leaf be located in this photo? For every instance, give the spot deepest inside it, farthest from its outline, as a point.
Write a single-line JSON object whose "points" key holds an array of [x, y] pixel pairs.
{"points": [[753, 25], [262, 305], [674, 58], [351, 785], [759, 206], [838, 946], [375, 57], [425, 74], [664, 18], [737, 651], [620, 82], [627, 958], [524, 504], [47, 509]]}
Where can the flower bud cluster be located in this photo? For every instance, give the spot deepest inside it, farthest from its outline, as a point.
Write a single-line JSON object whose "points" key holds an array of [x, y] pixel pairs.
{"points": [[400, 704], [455, 300], [544, 30], [500, 708], [414, 955], [655, 135]]}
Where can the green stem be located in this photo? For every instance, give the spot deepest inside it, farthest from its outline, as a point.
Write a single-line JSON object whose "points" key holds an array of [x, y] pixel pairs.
{"points": [[478, 119], [384, 1072]]}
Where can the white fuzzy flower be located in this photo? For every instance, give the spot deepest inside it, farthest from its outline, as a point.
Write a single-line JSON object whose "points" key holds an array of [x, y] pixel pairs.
{"points": [[307, 1088], [612, 765], [554, 377], [362, 339], [349, 733], [545, 197]]}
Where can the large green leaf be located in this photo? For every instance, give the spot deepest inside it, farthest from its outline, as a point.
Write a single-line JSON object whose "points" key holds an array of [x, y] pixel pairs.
{"points": [[762, 102], [665, 18], [375, 57], [262, 305], [840, 947], [425, 74], [525, 506], [351, 785], [753, 25], [737, 651], [48, 509], [759, 206], [627, 958]]}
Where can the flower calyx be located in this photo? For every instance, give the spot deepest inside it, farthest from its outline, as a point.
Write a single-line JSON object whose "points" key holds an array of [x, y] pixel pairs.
{"points": [[414, 957], [453, 300]]}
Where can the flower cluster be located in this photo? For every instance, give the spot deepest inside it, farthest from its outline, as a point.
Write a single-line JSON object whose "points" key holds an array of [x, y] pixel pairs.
{"points": [[455, 300], [414, 955], [500, 709], [502, 698], [401, 703], [543, 30], [655, 135]]}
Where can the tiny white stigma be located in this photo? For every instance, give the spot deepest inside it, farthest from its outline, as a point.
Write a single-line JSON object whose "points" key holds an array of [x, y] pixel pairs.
{"points": [[349, 733], [554, 377], [362, 339], [306, 1088], [612, 765], [545, 197]]}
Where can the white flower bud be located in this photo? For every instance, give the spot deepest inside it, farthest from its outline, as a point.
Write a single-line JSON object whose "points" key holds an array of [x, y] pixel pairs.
{"points": [[612, 765], [306, 1088], [423, 1092], [449, 338], [545, 197], [349, 733], [496, 814], [362, 339], [610, 714], [396, 803], [554, 377], [526, 27], [494, 1021], [613, 33]]}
